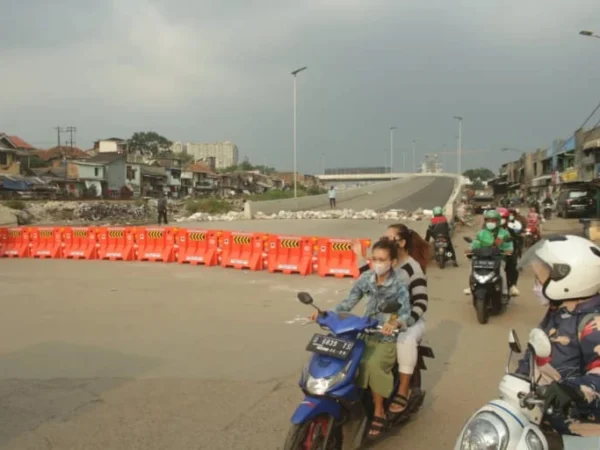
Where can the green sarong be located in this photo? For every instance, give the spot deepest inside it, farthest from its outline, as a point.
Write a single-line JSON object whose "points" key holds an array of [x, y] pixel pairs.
{"points": [[376, 366]]}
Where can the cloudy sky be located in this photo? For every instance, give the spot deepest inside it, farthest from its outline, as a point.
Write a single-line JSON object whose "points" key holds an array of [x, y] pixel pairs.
{"points": [[200, 70]]}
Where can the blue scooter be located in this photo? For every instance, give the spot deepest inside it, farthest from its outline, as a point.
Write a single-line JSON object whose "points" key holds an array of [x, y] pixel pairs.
{"points": [[335, 412]]}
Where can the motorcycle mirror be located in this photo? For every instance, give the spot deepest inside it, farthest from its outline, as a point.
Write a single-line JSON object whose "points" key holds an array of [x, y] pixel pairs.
{"points": [[389, 306], [305, 298], [513, 341], [540, 343], [468, 239]]}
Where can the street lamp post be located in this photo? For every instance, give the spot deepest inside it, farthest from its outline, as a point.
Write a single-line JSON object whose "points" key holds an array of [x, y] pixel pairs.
{"points": [[392, 149], [294, 73], [588, 33], [414, 157], [459, 146]]}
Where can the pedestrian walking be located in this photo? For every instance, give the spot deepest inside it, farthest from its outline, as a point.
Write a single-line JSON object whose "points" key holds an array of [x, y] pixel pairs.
{"points": [[162, 208]]}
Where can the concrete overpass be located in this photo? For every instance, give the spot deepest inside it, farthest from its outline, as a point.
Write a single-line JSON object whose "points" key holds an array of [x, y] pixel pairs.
{"points": [[376, 176]]}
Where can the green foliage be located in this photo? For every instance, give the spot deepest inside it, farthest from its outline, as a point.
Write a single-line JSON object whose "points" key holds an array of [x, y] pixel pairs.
{"points": [[477, 185], [148, 143], [482, 174], [208, 205], [34, 162], [15, 204], [247, 166]]}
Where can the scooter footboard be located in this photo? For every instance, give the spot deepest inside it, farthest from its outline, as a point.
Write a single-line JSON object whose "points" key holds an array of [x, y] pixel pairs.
{"points": [[312, 407]]}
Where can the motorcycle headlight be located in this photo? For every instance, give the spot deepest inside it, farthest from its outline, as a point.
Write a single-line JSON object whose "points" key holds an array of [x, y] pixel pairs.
{"points": [[483, 278], [486, 431], [319, 386], [533, 441]]}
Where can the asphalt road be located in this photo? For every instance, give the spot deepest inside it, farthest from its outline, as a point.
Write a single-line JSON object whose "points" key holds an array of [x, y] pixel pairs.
{"points": [[123, 356], [435, 193]]}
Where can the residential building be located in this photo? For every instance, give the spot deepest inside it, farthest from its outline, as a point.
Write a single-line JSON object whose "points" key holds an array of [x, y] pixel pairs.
{"points": [[198, 179], [226, 153], [56, 156], [13, 152], [123, 178], [173, 169], [111, 145]]}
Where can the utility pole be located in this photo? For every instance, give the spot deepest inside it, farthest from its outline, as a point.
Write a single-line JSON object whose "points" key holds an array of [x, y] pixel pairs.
{"points": [[71, 130]]}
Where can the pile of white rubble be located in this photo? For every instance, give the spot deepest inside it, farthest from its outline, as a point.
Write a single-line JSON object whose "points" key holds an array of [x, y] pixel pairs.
{"points": [[367, 214]]}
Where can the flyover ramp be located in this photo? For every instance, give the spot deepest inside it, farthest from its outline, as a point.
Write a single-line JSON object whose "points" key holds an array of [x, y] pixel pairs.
{"points": [[381, 196]]}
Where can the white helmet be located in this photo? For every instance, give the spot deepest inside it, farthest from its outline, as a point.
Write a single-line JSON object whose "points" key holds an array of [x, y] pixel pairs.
{"points": [[573, 265]]}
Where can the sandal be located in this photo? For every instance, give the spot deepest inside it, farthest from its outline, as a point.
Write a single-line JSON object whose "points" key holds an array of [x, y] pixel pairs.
{"points": [[377, 427], [401, 401]]}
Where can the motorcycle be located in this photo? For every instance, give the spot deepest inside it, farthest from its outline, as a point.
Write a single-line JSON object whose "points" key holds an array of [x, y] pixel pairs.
{"points": [[512, 422], [486, 281], [530, 236], [547, 212], [441, 250], [335, 412]]}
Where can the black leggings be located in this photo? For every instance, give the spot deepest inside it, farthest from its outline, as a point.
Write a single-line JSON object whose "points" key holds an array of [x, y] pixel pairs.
{"points": [[512, 274]]}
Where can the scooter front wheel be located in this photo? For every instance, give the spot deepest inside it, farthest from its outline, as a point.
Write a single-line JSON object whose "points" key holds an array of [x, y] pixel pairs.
{"points": [[312, 435]]}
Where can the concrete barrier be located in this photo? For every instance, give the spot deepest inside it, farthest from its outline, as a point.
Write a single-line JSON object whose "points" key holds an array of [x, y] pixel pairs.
{"points": [[318, 201]]}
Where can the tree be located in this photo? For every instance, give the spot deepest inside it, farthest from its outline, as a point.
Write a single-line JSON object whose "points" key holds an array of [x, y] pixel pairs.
{"points": [[148, 143], [482, 174]]}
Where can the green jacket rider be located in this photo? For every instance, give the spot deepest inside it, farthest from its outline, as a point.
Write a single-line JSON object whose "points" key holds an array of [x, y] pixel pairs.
{"points": [[493, 235]]}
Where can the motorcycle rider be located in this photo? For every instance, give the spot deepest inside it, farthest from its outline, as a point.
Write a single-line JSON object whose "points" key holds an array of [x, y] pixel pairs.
{"points": [[440, 226], [567, 284], [380, 283], [512, 274], [493, 235]]}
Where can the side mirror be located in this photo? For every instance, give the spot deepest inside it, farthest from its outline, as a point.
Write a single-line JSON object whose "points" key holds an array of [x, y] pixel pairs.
{"points": [[305, 298], [540, 343], [513, 342], [389, 306], [467, 239]]}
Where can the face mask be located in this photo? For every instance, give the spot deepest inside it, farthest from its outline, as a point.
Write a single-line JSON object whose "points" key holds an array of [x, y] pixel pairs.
{"points": [[381, 268], [490, 225], [539, 294], [503, 221], [511, 218]]}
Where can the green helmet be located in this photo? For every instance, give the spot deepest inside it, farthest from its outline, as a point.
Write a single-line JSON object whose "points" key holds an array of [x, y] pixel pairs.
{"points": [[438, 211], [492, 214]]}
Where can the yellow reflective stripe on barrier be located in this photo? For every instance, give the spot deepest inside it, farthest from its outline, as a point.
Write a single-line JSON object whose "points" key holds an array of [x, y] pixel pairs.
{"points": [[46, 233], [80, 233], [155, 234], [242, 239], [14, 233], [116, 233], [196, 236], [340, 246], [290, 243]]}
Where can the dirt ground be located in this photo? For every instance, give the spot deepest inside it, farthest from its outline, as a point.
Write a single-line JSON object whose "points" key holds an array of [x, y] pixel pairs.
{"points": [[124, 356]]}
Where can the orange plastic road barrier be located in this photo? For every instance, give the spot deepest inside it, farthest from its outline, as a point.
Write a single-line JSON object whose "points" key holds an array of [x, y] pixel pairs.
{"points": [[115, 243], [198, 247], [337, 258], [79, 243], [46, 242], [290, 254], [155, 244], [242, 250], [14, 242]]}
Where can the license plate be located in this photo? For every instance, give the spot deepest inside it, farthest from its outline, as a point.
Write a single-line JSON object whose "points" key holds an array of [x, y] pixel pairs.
{"points": [[484, 264], [441, 244], [330, 346]]}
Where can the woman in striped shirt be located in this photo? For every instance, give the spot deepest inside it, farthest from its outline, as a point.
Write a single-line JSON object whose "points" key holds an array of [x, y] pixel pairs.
{"points": [[413, 257]]}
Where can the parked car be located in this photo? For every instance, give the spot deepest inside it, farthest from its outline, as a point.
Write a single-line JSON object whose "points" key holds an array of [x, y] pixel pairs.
{"points": [[576, 201]]}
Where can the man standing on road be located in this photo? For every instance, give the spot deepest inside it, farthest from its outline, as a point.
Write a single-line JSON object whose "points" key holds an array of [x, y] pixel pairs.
{"points": [[332, 195], [162, 208]]}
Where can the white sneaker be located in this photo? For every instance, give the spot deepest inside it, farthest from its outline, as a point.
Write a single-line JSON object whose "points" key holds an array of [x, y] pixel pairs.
{"points": [[467, 291], [514, 292]]}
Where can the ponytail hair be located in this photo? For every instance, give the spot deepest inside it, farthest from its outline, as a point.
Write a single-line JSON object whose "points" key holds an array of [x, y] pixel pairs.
{"points": [[416, 246]]}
